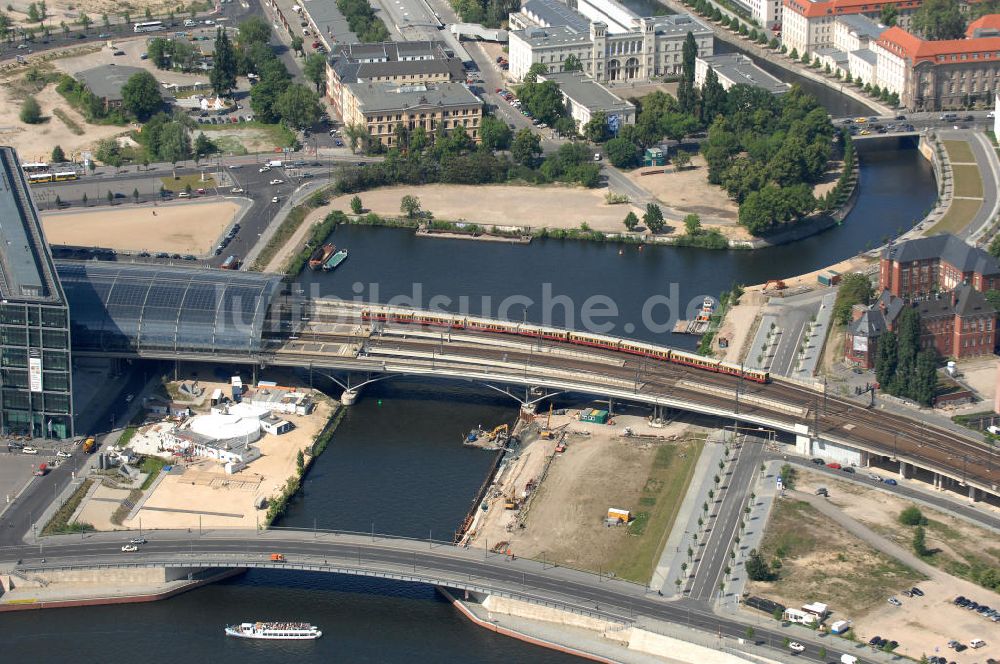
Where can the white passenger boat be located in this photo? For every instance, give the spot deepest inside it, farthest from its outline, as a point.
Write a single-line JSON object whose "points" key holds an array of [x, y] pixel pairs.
{"points": [[274, 630]]}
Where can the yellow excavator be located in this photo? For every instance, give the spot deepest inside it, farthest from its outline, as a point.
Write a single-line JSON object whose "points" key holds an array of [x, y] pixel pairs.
{"points": [[502, 429]]}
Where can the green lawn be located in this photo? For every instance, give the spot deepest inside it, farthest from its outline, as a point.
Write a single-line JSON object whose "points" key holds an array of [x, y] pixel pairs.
{"points": [[662, 495], [180, 183], [959, 151], [968, 182], [279, 134], [958, 217]]}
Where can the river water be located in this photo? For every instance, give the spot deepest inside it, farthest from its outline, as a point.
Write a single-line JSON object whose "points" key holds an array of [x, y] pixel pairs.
{"points": [[396, 463]]}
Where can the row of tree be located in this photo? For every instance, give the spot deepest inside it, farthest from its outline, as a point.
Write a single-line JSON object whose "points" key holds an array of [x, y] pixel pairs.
{"points": [[490, 13], [363, 20]]}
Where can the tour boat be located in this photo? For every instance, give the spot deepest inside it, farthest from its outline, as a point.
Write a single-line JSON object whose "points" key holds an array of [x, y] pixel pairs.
{"points": [[320, 256], [274, 630], [336, 259]]}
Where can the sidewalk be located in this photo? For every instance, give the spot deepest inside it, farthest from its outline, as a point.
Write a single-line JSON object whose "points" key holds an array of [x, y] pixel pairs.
{"points": [[675, 550], [816, 340], [765, 488]]}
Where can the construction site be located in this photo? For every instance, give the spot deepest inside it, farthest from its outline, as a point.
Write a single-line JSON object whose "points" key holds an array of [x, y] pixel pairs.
{"points": [[583, 488]]}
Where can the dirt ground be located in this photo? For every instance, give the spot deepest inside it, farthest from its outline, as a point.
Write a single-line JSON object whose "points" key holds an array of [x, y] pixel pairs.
{"points": [[738, 326], [822, 562], [35, 142], [981, 375], [688, 191], [204, 494], [929, 622], [183, 227], [69, 10], [564, 518], [100, 507]]}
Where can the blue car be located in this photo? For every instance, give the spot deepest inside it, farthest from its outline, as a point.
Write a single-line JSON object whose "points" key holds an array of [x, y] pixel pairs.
{"points": [[891, 482]]}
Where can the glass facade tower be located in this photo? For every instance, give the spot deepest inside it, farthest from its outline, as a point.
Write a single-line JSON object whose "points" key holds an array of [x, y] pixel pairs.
{"points": [[36, 396]]}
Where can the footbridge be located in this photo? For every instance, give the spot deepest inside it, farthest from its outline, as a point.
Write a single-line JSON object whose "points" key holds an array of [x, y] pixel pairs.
{"points": [[244, 319], [601, 596]]}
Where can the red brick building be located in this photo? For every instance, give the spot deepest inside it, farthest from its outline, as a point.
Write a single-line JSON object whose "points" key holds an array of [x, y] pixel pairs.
{"points": [[922, 267]]}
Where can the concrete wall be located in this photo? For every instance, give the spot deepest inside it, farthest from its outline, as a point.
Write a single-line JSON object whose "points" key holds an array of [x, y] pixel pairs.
{"points": [[514, 607], [139, 575], [677, 650], [831, 452]]}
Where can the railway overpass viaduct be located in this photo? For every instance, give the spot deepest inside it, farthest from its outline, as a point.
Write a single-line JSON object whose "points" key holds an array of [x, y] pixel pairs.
{"points": [[243, 318], [621, 603]]}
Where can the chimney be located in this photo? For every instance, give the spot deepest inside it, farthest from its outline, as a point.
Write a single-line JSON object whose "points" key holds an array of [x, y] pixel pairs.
{"points": [[857, 311]]}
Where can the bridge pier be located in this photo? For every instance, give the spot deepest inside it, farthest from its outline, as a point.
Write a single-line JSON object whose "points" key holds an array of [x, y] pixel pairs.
{"points": [[349, 397], [803, 441], [973, 494], [905, 470]]}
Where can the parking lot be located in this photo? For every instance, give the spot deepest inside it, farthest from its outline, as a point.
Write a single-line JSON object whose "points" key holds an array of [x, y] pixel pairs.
{"points": [[15, 473]]}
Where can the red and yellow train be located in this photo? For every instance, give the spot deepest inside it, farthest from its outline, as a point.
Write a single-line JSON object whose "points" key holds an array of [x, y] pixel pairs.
{"points": [[461, 322]]}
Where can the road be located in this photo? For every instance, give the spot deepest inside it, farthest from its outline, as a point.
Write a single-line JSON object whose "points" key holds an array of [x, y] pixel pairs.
{"points": [[413, 560]]}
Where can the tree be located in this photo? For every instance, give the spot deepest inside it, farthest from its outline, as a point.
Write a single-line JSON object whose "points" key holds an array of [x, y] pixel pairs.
{"points": [[314, 69], [886, 359], [84, 199], [778, 615], [531, 76], [596, 130], [223, 74], [787, 475], [356, 206], [135, 194], [58, 156], [631, 221], [622, 153], [692, 224], [203, 145], [855, 288], [572, 63], [889, 15], [85, 21], [298, 106], [920, 541], [526, 147], [254, 30], [543, 100], [175, 144], [713, 97], [141, 95], [939, 19], [681, 160], [912, 516], [31, 112], [111, 198], [494, 134], [300, 462], [924, 384], [653, 218], [33, 15], [410, 205], [686, 95], [297, 45], [794, 55]]}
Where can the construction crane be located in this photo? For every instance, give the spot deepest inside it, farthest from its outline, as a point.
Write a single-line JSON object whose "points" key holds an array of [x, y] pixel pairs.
{"points": [[547, 433]]}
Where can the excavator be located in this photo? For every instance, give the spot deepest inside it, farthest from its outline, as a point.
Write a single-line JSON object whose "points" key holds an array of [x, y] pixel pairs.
{"points": [[503, 429]]}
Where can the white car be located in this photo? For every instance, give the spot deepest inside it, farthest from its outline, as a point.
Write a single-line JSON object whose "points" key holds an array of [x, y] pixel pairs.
{"points": [[277, 181], [894, 601], [795, 646], [29, 450], [130, 548], [236, 190], [63, 454], [264, 169], [183, 194], [137, 540], [275, 199]]}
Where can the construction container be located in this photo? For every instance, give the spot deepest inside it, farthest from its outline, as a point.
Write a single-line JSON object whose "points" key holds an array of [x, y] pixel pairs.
{"points": [[615, 514], [828, 278], [594, 415], [654, 157]]}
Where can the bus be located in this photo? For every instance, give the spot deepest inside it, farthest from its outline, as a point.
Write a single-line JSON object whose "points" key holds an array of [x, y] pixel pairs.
{"points": [[62, 176], [36, 178], [35, 167], [148, 26]]}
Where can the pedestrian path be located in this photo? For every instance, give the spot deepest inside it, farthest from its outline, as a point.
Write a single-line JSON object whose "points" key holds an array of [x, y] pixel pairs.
{"points": [[815, 338], [675, 550]]}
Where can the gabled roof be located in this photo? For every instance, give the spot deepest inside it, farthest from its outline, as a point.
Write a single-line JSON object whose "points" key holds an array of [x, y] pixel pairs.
{"points": [[984, 25], [947, 247], [914, 49]]}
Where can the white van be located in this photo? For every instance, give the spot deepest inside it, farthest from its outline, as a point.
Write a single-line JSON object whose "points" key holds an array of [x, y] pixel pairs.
{"points": [[848, 659], [976, 643]]}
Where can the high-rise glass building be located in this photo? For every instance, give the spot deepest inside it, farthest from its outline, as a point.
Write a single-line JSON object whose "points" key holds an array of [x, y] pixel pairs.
{"points": [[36, 397]]}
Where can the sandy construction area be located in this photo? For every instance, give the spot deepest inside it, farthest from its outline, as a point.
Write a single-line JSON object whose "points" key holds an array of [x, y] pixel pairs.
{"points": [[69, 10], [184, 227], [738, 326], [549, 206], [688, 191], [204, 494]]}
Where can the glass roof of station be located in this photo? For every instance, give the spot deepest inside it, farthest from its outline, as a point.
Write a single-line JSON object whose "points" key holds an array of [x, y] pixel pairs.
{"points": [[141, 308]]}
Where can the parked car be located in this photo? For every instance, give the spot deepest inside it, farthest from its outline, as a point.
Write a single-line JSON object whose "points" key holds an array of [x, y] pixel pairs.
{"points": [[275, 199], [137, 540], [890, 481], [277, 181], [236, 190], [819, 462], [834, 465], [822, 491], [183, 194], [130, 548], [917, 591], [848, 469], [63, 454], [894, 601], [795, 646]]}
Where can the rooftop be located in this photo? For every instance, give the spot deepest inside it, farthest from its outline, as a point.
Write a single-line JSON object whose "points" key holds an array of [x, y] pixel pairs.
{"points": [[679, 24], [393, 51], [913, 48], [554, 13], [863, 26], [373, 97], [738, 69], [984, 26], [106, 81], [329, 20], [554, 36], [865, 54], [26, 269], [947, 247], [816, 9], [586, 92], [834, 54]]}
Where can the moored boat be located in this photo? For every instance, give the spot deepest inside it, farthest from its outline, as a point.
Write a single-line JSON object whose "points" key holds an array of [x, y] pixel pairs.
{"points": [[324, 254], [274, 631], [336, 259]]}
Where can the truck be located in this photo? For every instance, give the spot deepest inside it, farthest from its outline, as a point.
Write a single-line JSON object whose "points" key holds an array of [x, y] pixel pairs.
{"points": [[275, 163], [89, 444], [277, 557], [42, 469]]}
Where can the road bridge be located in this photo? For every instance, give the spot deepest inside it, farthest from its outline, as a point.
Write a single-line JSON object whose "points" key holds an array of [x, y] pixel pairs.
{"points": [[375, 555]]}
